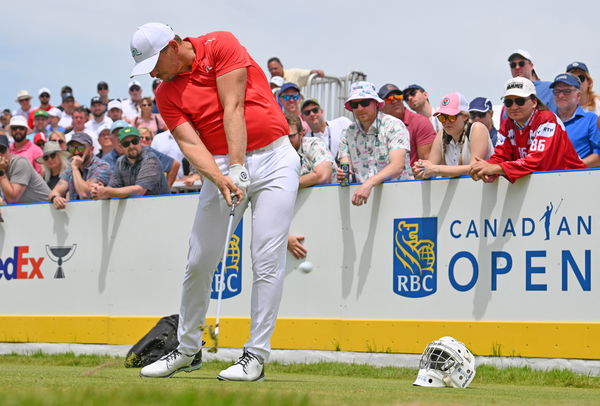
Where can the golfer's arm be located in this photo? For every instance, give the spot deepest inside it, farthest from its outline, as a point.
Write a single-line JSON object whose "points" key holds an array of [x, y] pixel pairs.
{"points": [[196, 152], [232, 90]]}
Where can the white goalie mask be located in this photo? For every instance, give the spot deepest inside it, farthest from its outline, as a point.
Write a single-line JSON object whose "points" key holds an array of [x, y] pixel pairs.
{"points": [[446, 362]]}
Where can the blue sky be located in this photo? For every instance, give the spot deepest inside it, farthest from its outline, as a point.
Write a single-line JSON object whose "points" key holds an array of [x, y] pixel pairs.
{"points": [[443, 46]]}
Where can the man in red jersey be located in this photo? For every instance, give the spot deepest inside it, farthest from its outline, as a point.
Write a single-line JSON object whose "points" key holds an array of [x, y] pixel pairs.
{"points": [[536, 139], [218, 105]]}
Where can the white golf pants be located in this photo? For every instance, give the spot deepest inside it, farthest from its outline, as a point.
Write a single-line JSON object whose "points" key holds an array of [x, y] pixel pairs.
{"points": [[274, 177]]}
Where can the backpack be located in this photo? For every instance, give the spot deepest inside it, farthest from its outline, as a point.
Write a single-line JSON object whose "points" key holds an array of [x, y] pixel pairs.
{"points": [[158, 342]]}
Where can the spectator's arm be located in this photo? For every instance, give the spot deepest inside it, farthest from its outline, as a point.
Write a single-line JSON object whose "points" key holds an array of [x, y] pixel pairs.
{"points": [[321, 174], [104, 192], [12, 191], [58, 195], [592, 160], [319, 72], [391, 170]]}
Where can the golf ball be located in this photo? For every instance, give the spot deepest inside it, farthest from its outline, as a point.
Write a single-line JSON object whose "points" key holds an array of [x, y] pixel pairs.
{"points": [[306, 267]]}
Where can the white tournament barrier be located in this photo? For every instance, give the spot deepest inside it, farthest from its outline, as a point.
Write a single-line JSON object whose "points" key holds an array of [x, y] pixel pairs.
{"points": [[511, 270]]}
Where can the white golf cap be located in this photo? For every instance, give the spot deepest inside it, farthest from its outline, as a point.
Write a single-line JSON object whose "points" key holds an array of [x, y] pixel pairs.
{"points": [[146, 44], [520, 87], [521, 52], [114, 104], [19, 121], [135, 83], [44, 90], [54, 112]]}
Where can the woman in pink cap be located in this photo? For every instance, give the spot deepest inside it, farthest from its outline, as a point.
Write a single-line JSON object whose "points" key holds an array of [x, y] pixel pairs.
{"points": [[459, 142]]}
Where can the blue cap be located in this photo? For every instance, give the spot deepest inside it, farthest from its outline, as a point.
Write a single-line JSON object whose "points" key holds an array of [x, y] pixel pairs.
{"points": [[567, 79], [413, 86], [119, 124], [480, 104], [289, 85], [577, 65], [388, 88]]}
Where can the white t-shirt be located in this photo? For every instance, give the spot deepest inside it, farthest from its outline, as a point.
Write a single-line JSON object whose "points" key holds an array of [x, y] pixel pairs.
{"points": [[91, 129], [21, 112], [165, 142], [130, 109], [331, 136], [454, 151], [66, 120]]}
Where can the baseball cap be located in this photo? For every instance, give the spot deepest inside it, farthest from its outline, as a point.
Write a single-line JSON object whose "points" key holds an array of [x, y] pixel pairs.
{"points": [[23, 95], [39, 137], [288, 85], [19, 121], [308, 102], [96, 99], [114, 104], [277, 81], [44, 90], [521, 52], [519, 86], [4, 141], [452, 104], [134, 83], [480, 104], [146, 44], [128, 131], [102, 85], [118, 124], [413, 86], [577, 65], [388, 88], [81, 138], [40, 113], [68, 96], [55, 112], [567, 79], [363, 90]]}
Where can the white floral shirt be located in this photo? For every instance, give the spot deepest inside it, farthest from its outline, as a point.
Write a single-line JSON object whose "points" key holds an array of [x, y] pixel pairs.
{"points": [[313, 152], [369, 153]]}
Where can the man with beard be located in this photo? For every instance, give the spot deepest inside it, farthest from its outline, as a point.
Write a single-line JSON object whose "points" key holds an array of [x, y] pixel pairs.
{"points": [[21, 145], [99, 119], [328, 131], [19, 182], [85, 170], [137, 173]]}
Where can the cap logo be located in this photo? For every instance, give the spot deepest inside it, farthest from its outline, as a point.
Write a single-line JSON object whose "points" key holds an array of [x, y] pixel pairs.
{"points": [[514, 86], [135, 52], [445, 101], [575, 64]]}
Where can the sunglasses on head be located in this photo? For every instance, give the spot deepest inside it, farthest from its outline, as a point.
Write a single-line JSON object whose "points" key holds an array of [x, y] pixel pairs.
{"points": [[514, 64], [134, 141], [442, 118], [307, 112], [519, 101], [410, 93], [364, 103], [396, 97], [477, 114], [46, 157], [79, 148], [288, 97]]}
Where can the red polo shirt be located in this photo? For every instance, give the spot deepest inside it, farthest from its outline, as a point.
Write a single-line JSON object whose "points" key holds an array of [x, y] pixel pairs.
{"points": [[193, 96]]}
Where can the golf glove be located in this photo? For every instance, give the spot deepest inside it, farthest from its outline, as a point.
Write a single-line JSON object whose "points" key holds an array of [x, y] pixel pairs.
{"points": [[239, 175]]}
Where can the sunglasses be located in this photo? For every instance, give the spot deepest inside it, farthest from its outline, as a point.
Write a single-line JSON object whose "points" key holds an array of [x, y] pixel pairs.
{"points": [[18, 128], [288, 97], [307, 112], [134, 141], [442, 118], [46, 157], [145, 138], [514, 64], [566, 92], [45, 95], [410, 93], [396, 97], [146, 105], [476, 114], [73, 149], [61, 142], [102, 87], [519, 101], [364, 103], [582, 78]]}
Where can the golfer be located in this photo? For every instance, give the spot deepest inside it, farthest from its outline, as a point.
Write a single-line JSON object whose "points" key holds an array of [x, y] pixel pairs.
{"points": [[218, 105]]}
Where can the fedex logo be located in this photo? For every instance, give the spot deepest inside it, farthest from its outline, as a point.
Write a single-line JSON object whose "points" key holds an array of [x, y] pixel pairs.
{"points": [[19, 266]]}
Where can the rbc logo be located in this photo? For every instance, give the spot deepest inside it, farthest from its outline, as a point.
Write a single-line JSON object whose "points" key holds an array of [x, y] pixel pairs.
{"points": [[415, 256], [233, 273]]}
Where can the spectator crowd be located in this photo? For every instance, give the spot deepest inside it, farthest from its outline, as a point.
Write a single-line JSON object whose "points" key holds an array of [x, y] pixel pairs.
{"points": [[65, 150]]}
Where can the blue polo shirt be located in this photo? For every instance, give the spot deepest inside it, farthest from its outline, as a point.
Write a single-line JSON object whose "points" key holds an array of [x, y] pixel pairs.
{"points": [[544, 93], [583, 132]]}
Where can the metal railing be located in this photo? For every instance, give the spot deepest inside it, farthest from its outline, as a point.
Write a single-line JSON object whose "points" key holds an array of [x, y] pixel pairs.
{"points": [[331, 92]]}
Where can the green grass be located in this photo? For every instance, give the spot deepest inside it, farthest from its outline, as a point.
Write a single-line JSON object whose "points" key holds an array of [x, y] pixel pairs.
{"points": [[92, 380]]}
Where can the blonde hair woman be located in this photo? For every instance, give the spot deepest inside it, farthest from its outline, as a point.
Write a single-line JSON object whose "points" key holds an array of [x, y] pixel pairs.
{"points": [[54, 160], [589, 99]]}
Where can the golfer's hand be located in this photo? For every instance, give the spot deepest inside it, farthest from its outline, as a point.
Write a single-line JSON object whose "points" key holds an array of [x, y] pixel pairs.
{"points": [[295, 246], [228, 189], [362, 194]]}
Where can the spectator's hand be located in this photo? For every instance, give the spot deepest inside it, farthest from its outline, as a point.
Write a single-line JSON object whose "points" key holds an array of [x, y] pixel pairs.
{"points": [[424, 169], [189, 180], [362, 194], [76, 162], [295, 246], [481, 169], [59, 202], [341, 174], [3, 163], [319, 72], [98, 191]]}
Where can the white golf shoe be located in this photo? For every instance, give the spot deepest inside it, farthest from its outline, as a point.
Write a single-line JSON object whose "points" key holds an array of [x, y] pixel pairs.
{"points": [[172, 363], [248, 368]]}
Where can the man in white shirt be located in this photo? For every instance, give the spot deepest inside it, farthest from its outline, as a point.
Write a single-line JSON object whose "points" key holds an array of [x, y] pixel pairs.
{"points": [[98, 120], [328, 131], [131, 106], [115, 110], [165, 143], [25, 107], [68, 105]]}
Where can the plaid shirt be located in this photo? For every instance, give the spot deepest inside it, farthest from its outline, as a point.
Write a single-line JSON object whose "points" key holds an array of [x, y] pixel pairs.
{"points": [[369, 152], [146, 172], [97, 169]]}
